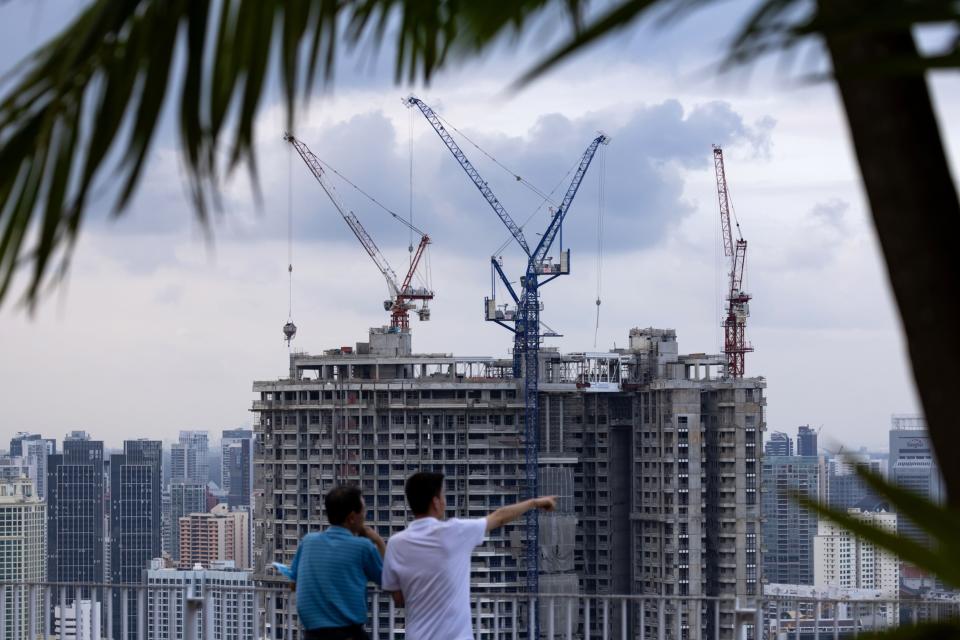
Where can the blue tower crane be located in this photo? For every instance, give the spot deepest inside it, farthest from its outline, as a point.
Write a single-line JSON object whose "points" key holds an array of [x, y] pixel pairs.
{"points": [[526, 318]]}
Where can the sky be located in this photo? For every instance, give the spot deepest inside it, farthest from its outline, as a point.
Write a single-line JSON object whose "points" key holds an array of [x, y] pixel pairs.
{"points": [[160, 327]]}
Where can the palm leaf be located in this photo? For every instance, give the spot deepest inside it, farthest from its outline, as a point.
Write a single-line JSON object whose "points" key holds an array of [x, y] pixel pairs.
{"points": [[115, 64], [949, 630], [941, 523]]}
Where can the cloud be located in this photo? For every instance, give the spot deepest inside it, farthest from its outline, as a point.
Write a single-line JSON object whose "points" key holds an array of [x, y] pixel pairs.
{"points": [[831, 213]]}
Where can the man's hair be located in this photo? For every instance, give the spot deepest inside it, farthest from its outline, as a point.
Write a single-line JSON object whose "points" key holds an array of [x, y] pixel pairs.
{"points": [[341, 501], [421, 489]]}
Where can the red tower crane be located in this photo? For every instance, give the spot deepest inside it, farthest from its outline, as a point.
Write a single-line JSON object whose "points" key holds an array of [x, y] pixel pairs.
{"points": [[734, 324], [403, 296]]}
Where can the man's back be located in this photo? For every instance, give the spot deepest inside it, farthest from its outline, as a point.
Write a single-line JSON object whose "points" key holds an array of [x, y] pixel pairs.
{"points": [[331, 570], [429, 562]]}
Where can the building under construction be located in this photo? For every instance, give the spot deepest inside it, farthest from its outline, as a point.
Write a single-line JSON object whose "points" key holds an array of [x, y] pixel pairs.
{"points": [[653, 454]]}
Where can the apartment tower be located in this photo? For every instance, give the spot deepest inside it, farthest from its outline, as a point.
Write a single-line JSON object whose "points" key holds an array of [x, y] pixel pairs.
{"points": [[654, 455]]}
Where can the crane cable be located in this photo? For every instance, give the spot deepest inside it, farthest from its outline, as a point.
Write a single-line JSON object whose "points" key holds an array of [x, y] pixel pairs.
{"points": [[601, 207], [290, 233], [369, 197], [545, 197], [410, 144], [425, 280], [513, 173], [539, 206]]}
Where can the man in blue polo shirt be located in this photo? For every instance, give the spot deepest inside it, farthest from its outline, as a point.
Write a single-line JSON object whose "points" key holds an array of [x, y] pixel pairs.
{"points": [[331, 570]]}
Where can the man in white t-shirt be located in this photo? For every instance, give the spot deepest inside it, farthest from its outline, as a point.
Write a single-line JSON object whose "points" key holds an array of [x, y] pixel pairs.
{"points": [[427, 565]]}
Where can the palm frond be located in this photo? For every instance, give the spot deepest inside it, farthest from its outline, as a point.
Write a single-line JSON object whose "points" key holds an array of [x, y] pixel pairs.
{"points": [[948, 630], [941, 558], [88, 103]]}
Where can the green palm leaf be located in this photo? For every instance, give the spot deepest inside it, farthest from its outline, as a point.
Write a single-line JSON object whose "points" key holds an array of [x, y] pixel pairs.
{"points": [[87, 104], [941, 559]]}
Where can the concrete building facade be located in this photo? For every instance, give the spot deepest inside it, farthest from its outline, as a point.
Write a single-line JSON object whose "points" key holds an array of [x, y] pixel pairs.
{"points": [[230, 595], [218, 535], [654, 454], [78, 621], [23, 555], [842, 559]]}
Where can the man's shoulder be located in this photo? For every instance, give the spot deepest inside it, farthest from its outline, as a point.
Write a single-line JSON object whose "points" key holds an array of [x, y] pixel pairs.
{"points": [[459, 524]]}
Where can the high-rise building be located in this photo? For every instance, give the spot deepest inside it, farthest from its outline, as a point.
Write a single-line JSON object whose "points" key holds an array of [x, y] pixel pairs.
{"points": [[845, 560], [35, 455], [912, 465], [220, 534], [189, 458], [788, 527], [17, 442], [186, 497], [75, 513], [779, 444], [654, 454], [846, 489], [134, 521], [78, 621], [13, 468], [23, 556], [230, 598], [236, 466], [806, 441]]}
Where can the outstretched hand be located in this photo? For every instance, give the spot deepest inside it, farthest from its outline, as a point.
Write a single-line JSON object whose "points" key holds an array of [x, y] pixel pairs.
{"points": [[547, 503]]}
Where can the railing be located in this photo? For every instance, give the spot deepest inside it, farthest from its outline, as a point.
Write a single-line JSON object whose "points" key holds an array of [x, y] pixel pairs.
{"points": [[215, 611]]}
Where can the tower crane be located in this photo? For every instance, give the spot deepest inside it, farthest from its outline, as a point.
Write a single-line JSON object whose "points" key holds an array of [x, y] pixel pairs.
{"points": [[403, 295], [735, 345], [525, 318]]}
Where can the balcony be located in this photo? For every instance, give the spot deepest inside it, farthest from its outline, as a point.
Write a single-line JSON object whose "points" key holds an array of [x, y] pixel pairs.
{"points": [[195, 611]]}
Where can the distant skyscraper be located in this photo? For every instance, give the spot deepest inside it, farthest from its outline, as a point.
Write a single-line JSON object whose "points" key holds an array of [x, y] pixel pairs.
{"points": [[779, 444], [913, 466], [16, 442], [134, 521], [185, 498], [806, 441], [23, 555], [75, 517], [845, 488], [12, 468], [35, 455], [189, 458], [788, 529], [230, 591], [237, 466]]}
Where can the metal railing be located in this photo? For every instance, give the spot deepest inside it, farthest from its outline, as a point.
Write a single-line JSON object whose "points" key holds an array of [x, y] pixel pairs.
{"points": [[216, 611]]}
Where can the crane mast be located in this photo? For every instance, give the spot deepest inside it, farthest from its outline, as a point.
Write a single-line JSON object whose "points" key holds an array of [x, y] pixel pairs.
{"points": [[735, 345], [526, 317], [402, 296]]}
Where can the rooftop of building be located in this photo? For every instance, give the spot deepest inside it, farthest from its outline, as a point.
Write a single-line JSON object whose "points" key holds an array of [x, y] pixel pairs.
{"points": [[388, 357]]}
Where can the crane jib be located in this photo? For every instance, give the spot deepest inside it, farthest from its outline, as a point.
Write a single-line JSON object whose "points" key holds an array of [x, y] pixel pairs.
{"points": [[471, 171]]}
